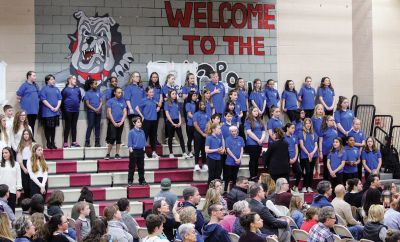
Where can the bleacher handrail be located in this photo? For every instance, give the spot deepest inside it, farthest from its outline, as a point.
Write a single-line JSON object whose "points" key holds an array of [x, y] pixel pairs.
{"points": [[353, 104]]}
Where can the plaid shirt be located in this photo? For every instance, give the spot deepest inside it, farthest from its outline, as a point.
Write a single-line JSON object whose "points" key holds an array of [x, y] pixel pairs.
{"points": [[320, 233]]}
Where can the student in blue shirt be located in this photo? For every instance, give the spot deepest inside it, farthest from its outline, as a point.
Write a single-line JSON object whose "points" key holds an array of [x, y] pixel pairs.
{"points": [[230, 107], [217, 91], [112, 83], [190, 109], [200, 120], [133, 95], [116, 113], [208, 102], [93, 102], [174, 122], [154, 82], [28, 96], [242, 100], [343, 117], [317, 118], [234, 145], [147, 110], [336, 161], [169, 85], [233, 98], [214, 148], [298, 122], [271, 95], [326, 95], [307, 96], [293, 149], [359, 137], [190, 86], [51, 99], [274, 122], [136, 145], [352, 161], [371, 158], [227, 124], [255, 131], [328, 134], [257, 97], [71, 100], [289, 103]]}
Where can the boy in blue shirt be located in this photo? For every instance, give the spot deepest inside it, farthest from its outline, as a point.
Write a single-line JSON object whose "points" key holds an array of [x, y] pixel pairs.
{"points": [[217, 90], [234, 148], [214, 148], [136, 144]]}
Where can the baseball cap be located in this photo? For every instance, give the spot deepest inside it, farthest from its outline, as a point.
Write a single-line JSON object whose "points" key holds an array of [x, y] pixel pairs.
{"points": [[165, 184]]}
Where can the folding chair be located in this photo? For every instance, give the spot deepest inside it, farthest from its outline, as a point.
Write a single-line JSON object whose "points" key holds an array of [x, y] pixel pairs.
{"points": [[71, 223], [234, 237], [300, 235], [271, 239], [342, 231], [337, 238], [366, 240], [142, 232], [341, 220]]}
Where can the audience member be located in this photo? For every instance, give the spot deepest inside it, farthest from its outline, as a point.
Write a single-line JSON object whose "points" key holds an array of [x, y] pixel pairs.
{"points": [[354, 192], [187, 232], [392, 215], [324, 189], [160, 207], [124, 207], [25, 206], [5, 228], [311, 219], [266, 178], [373, 194], [251, 223], [374, 229], [24, 229], [4, 194], [282, 195], [187, 215], [192, 198], [229, 221], [39, 222], [295, 209], [238, 192], [154, 224], [116, 229], [37, 205], [321, 232], [55, 202], [98, 232], [217, 184], [212, 197], [392, 236], [212, 231], [166, 193], [86, 196], [82, 224], [56, 226]]}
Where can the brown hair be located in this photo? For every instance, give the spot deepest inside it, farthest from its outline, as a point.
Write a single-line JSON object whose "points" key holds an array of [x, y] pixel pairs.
{"points": [[39, 221], [16, 122], [56, 198], [311, 212], [21, 144], [3, 130], [110, 211], [5, 231], [253, 119], [35, 158], [130, 80]]}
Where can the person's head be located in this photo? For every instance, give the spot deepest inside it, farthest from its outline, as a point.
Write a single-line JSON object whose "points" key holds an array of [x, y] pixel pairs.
{"points": [[112, 213], [7, 156], [266, 178], [24, 227], [90, 84], [319, 111], [187, 232], [71, 81], [26, 204], [37, 204], [343, 103], [4, 191], [312, 213], [192, 96], [113, 82], [354, 185], [240, 208], [149, 92], [241, 84], [135, 78], [206, 94], [228, 116], [56, 198], [234, 131], [257, 84], [160, 207], [3, 125], [327, 216], [296, 203], [215, 129], [374, 181], [39, 221], [351, 141], [213, 196], [337, 144], [86, 195], [289, 85], [253, 116], [190, 79], [230, 106], [327, 122], [27, 136], [392, 235], [202, 106], [137, 122], [154, 224], [376, 213], [371, 146], [242, 182], [233, 95], [165, 184], [117, 92], [275, 112], [278, 134], [5, 226], [251, 221], [57, 223], [49, 80], [97, 230], [256, 192], [340, 191], [307, 81], [217, 184], [214, 76], [31, 76], [192, 195], [172, 95], [289, 129], [270, 83], [216, 212], [282, 185], [123, 204], [216, 118], [83, 208], [8, 110], [170, 79], [154, 80], [324, 188], [37, 158], [326, 82], [187, 215], [356, 124]]}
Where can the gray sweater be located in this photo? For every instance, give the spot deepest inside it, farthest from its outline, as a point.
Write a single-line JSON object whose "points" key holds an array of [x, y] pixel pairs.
{"points": [[119, 231], [130, 224], [82, 228]]}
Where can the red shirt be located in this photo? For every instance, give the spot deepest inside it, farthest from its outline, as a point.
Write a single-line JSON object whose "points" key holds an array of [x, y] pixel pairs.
{"points": [[307, 225]]}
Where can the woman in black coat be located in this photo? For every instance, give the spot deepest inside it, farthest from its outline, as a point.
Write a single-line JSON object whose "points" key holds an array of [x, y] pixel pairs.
{"points": [[277, 158]]}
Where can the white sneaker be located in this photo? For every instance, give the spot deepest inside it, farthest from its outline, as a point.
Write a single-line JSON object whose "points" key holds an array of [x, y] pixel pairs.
{"points": [[197, 168], [304, 190], [185, 156], [190, 155], [171, 156], [174, 141], [309, 189], [205, 168], [154, 155]]}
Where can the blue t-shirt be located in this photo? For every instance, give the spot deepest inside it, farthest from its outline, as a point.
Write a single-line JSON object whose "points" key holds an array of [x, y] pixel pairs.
{"points": [[29, 94], [235, 145], [359, 136], [148, 108], [290, 98], [190, 88], [242, 99], [117, 107], [307, 95], [327, 95], [352, 154], [309, 142], [298, 128], [273, 123], [201, 118], [136, 139], [209, 109], [71, 98], [190, 107], [135, 95], [259, 98], [292, 142], [235, 119], [237, 110], [217, 99], [94, 97], [327, 139], [336, 160], [214, 142], [317, 125], [173, 109], [257, 131], [107, 95], [166, 88], [52, 95], [225, 130], [157, 93], [272, 96], [345, 118], [371, 158]]}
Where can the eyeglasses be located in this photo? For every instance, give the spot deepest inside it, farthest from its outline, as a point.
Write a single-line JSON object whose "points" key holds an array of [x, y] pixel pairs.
{"points": [[65, 222]]}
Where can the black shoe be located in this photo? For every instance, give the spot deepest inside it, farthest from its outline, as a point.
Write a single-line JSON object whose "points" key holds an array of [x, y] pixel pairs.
{"points": [[97, 144], [117, 157], [107, 157], [130, 183], [87, 144], [49, 146], [143, 183], [54, 146]]}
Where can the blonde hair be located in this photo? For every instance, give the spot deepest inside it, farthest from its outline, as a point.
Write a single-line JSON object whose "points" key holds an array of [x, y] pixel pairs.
{"points": [[267, 179], [305, 131], [237, 85], [212, 197], [168, 77], [3, 130], [376, 213], [5, 231], [16, 121], [130, 80], [316, 108], [203, 98], [186, 214], [295, 202], [38, 221], [35, 158]]}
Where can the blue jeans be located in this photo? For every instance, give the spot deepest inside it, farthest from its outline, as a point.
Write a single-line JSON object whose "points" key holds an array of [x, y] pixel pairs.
{"points": [[93, 122], [356, 231]]}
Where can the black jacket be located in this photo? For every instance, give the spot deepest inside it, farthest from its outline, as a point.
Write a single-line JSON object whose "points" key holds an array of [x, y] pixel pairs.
{"points": [[277, 158], [199, 217], [271, 224], [236, 194]]}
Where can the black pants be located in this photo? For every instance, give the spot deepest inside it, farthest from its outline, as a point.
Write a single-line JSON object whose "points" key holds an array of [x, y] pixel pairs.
{"points": [[71, 120], [32, 121], [308, 167], [326, 174], [12, 201], [309, 113], [241, 126], [277, 176], [114, 134], [171, 132], [190, 137], [199, 146], [93, 123], [231, 175], [214, 169], [359, 171], [35, 189], [347, 176], [150, 131], [291, 114], [254, 152], [130, 117], [50, 134], [26, 180], [336, 180], [136, 158], [297, 173], [329, 112]]}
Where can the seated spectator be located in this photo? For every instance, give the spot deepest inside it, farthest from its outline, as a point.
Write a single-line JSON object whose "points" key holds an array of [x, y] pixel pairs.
{"points": [[217, 184], [271, 225], [116, 229], [192, 198], [56, 226], [239, 208], [213, 232], [212, 197], [266, 178], [392, 215], [154, 224], [392, 236], [238, 192], [24, 229], [188, 233], [161, 207], [37, 206], [374, 229], [321, 232], [82, 224], [251, 223], [295, 209], [5, 228], [39, 221], [25, 206], [55, 202], [4, 194], [343, 209], [86, 196], [187, 215], [354, 192], [124, 207], [311, 219], [392, 187], [282, 195], [98, 231], [166, 193], [386, 199], [373, 194], [324, 189]]}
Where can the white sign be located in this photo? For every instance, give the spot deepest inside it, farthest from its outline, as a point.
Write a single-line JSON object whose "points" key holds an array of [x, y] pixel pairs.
{"points": [[164, 68]]}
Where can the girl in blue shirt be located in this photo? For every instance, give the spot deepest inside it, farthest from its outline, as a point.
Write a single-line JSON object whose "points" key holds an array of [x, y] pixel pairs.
{"points": [[174, 122], [71, 99], [200, 120], [307, 96], [352, 161], [234, 145], [298, 122], [257, 97], [169, 86], [133, 95], [328, 134], [274, 122], [359, 138], [51, 99], [317, 118], [371, 158], [214, 148], [154, 83], [136, 145], [272, 96], [190, 109], [206, 98], [228, 116], [343, 117], [233, 98], [113, 83], [289, 103], [147, 110], [93, 102], [242, 100], [293, 149], [230, 107], [326, 95], [336, 161], [190, 86]]}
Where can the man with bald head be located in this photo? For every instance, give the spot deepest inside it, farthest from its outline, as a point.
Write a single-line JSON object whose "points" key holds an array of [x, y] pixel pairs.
{"points": [[343, 209]]}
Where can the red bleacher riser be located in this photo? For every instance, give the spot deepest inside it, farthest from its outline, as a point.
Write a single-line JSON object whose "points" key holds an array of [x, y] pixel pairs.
{"points": [[138, 191], [66, 167], [175, 175], [53, 154], [79, 180]]}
